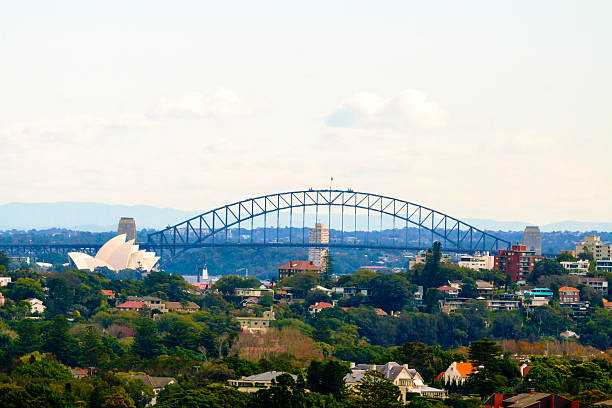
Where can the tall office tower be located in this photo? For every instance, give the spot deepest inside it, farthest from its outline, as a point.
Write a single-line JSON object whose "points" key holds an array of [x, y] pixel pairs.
{"points": [[127, 226], [532, 240], [318, 235]]}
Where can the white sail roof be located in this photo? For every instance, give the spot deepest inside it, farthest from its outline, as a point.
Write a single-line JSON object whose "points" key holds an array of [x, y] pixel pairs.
{"points": [[116, 254]]}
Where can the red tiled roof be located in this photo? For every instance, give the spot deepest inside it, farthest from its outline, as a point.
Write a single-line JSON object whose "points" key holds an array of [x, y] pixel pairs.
{"points": [[177, 305], [380, 312], [321, 305], [446, 288], [465, 369], [301, 266], [568, 289], [202, 285], [132, 305], [106, 292]]}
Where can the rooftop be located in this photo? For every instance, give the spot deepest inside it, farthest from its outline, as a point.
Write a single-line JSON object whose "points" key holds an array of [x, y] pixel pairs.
{"points": [[268, 376], [300, 265]]}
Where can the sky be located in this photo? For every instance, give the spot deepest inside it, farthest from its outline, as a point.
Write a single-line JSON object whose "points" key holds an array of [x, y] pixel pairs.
{"points": [[479, 109]]}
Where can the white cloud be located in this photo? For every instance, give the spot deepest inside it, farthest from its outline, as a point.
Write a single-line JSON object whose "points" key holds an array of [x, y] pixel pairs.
{"points": [[411, 108], [222, 103]]}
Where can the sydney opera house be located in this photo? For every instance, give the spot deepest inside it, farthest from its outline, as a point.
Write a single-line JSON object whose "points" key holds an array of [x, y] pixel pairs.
{"points": [[116, 254]]}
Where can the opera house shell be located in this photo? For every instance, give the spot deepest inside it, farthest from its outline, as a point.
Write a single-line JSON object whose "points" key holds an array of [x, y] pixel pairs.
{"points": [[116, 254]]}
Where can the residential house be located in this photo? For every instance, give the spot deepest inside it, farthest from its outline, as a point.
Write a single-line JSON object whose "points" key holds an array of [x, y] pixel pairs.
{"points": [[407, 379], [5, 280], [449, 290], [188, 307], [537, 297], [524, 369], [2, 300], [498, 304], [452, 304], [531, 400], [107, 293], [249, 301], [157, 383], [568, 294], [456, 373], [253, 292], [349, 291], [294, 267], [607, 304], [132, 305], [36, 306], [576, 266], [599, 284], [254, 383], [380, 312], [477, 261], [79, 372], [152, 302], [317, 307], [603, 265], [257, 323], [485, 289]]}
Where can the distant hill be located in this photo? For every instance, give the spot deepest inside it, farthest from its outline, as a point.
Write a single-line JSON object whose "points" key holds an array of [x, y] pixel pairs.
{"points": [[493, 225], [81, 216], [97, 217]]}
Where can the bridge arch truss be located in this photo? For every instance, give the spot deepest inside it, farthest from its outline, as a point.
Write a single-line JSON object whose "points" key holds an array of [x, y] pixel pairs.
{"points": [[355, 220]]}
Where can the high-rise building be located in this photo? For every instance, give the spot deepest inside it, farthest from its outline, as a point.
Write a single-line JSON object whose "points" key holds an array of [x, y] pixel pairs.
{"points": [[532, 239], [517, 262], [593, 244], [318, 235], [127, 226]]}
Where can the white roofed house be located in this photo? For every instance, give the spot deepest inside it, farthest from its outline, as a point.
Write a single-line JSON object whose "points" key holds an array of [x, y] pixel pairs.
{"points": [[254, 383], [36, 306], [408, 380]]}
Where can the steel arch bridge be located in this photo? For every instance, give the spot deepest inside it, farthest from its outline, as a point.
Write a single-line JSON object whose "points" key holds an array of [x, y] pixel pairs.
{"points": [[386, 222]]}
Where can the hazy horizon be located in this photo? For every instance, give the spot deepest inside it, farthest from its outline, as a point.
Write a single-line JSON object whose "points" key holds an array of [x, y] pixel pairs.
{"points": [[479, 109]]}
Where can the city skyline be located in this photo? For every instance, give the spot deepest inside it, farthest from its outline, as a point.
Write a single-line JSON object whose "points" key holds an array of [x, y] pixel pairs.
{"points": [[483, 111]]}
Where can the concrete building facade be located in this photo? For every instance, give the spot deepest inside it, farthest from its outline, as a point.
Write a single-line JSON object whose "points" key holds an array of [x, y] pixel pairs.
{"points": [[593, 244], [127, 226], [318, 235], [532, 239]]}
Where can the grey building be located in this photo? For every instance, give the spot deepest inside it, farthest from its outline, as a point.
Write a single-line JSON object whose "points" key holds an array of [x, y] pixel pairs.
{"points": [[127, 226], [532, 239]]}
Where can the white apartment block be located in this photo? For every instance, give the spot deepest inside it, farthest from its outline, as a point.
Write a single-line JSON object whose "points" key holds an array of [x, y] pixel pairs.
{"points": [[318, 235], [477, 261], [595, 246], [576, 266]]}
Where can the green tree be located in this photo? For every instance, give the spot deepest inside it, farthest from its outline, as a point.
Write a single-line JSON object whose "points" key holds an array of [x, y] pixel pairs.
{"points": [[118, 398], [545, 267], [147, 343], [301, 282], [228, 283], [376, 391], [26, 288], [4, 260], [327, 377], [390, 292], [469, 288], [485, 352], [59, 342], [565, 257]]}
